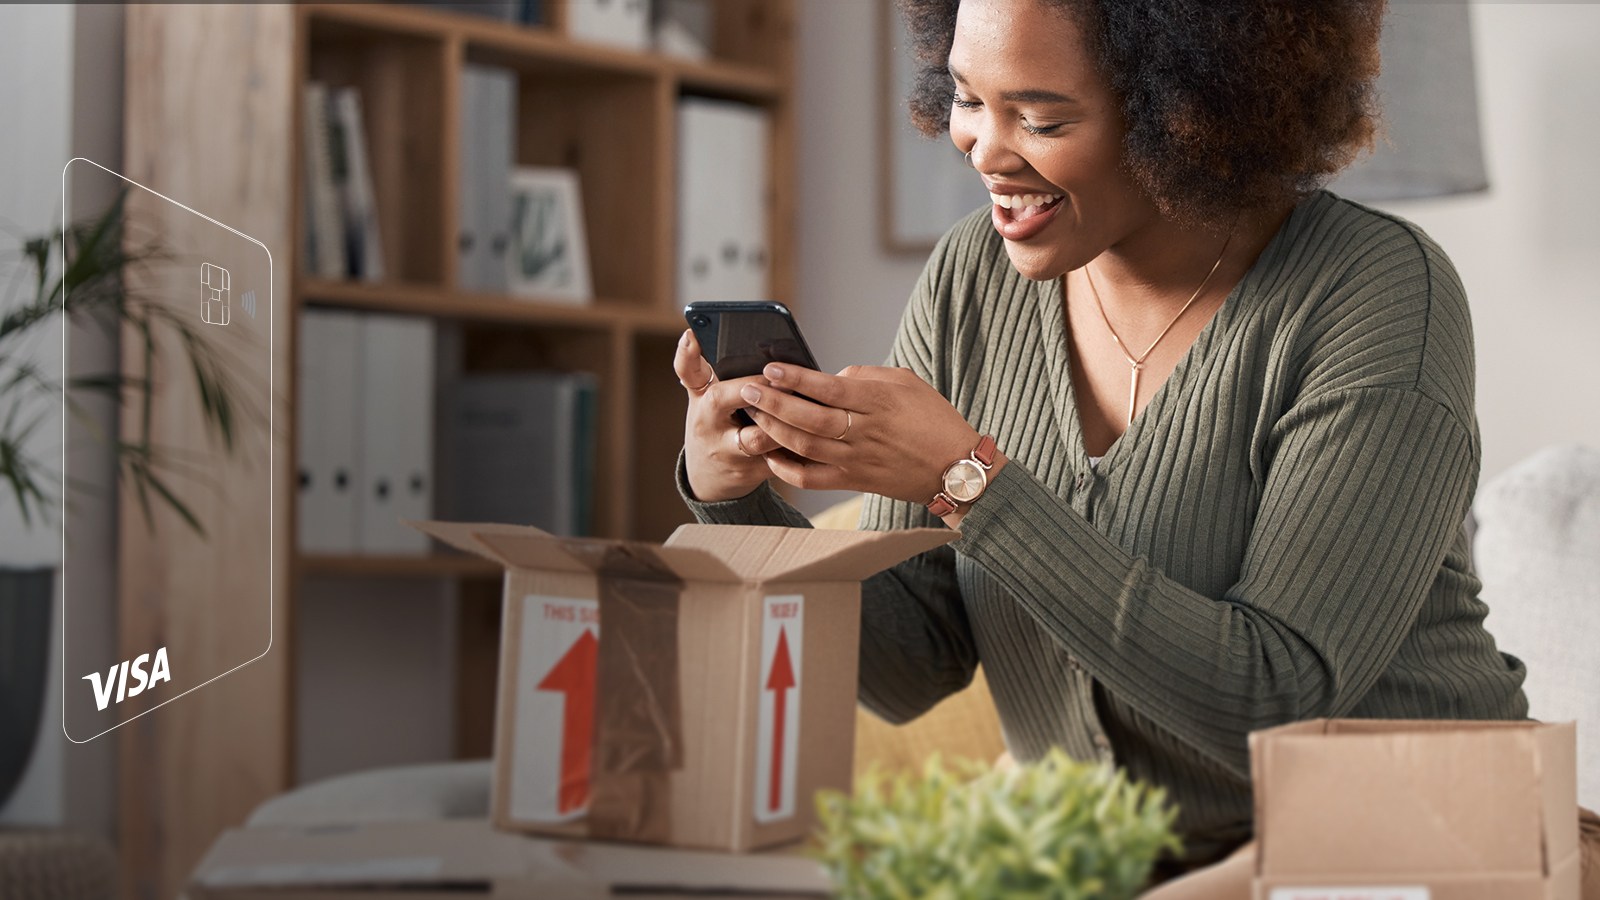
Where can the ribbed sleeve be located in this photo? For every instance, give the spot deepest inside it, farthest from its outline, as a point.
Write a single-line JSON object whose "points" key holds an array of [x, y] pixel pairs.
{"points": [[1277, 536]]}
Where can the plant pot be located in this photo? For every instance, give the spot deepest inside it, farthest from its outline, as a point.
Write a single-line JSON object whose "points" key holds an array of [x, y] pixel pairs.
{"points": [[25, 612]]}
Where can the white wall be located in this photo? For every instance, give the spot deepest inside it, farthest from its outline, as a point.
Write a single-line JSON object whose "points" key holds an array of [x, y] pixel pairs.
{"points": [[35, 49], [70, 59], [850, 292], [1525, 249], [1529, 249]]}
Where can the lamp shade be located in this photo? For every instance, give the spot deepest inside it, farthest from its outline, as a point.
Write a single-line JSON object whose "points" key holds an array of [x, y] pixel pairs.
{"points": [[1429, 145]]}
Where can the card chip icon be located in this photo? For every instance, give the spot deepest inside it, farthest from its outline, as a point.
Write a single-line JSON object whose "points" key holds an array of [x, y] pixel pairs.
{"points": [[214, 308]]}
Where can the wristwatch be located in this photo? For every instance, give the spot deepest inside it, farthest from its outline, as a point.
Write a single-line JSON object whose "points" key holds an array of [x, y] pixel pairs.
{"points": [[965, 480]]}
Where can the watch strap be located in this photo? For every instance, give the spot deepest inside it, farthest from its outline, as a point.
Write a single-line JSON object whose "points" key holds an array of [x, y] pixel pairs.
{"points": [[984, 452], [941, 505]]}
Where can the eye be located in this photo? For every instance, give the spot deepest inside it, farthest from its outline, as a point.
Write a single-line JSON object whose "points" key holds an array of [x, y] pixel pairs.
{"points": [[957, 101], [1040, 129]]}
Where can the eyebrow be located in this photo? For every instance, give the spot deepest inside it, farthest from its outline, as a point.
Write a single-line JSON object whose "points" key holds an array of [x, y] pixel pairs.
{"points": [[1028, 95]]}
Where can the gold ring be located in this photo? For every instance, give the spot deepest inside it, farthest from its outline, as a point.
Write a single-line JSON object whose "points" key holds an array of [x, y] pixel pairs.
{"points": [[738, 438], [847, 423], [701, 389]]}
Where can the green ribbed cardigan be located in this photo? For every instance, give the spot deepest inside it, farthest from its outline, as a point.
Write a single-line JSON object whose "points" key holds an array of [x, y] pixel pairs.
{"points": [[1278, 536]]}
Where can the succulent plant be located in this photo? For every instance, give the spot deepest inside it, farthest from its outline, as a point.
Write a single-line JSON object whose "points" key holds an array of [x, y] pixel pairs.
{"points": [[1055, 828]]}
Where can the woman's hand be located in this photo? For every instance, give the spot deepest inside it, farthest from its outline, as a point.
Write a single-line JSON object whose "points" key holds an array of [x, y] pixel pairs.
{"points": [[723, 460], [874, 429]]}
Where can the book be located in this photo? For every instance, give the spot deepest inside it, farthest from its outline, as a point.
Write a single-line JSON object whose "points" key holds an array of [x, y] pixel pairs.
{"points": [[522, 449], [363, 247], [325, 256]]}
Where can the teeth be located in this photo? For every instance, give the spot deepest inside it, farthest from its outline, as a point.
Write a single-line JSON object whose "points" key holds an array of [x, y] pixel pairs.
{"points": [[1018, 201]]}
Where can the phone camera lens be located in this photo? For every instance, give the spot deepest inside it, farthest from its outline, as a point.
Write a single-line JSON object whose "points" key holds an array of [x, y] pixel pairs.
{"points": [[701, 321]]}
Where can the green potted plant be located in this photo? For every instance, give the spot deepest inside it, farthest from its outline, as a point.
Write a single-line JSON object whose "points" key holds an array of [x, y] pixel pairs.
{"points": [[1056, 828], [90, 287]]}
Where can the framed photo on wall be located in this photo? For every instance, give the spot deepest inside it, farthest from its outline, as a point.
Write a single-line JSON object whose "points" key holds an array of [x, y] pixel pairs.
{"points": [[926, 185], [549, 256]]}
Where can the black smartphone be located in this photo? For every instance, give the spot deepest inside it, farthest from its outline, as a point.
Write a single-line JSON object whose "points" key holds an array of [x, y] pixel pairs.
{"points": [[739, 338]]}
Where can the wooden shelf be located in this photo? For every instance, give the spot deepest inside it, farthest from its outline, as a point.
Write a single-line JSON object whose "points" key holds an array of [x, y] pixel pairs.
{"points": [[358, 566], [535, 48], [610, 114], [445, 303]]}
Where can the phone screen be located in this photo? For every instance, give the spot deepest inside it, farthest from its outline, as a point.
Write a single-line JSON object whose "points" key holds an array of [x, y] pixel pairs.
{"points": [[739, 340]]}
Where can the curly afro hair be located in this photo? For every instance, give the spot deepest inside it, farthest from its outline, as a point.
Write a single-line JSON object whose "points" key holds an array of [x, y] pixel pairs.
{"points": [[1230, 105]]}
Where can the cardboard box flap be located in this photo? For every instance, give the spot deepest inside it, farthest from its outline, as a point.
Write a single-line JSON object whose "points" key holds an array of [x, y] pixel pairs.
{"points": [[636, 559], [770, 553], [1558, 777], [469, 536], [1390, 797]]}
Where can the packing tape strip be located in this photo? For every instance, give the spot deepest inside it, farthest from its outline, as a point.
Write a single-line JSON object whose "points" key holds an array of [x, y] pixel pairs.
{"points": [[638, 716]]}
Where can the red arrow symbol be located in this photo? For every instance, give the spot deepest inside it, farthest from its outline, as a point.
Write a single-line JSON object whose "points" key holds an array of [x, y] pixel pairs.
{"points": [[781, 679], [574, 676]]}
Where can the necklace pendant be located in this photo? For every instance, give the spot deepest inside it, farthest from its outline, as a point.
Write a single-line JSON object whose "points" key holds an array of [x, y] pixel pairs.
{"points": [[1133, 391]]}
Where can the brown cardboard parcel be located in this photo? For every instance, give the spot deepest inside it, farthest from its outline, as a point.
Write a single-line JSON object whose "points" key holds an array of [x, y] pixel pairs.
{"points": [[695, 693], [452, 859], [1416, 810]]}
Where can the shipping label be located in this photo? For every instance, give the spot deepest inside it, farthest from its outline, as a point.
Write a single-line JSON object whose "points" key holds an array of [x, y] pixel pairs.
{"points": [[1349, 893], [778, 722], [554, 708]]}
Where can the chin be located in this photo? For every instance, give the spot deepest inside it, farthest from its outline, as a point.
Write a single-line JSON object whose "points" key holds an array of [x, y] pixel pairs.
{"points": [[1037, 264]]}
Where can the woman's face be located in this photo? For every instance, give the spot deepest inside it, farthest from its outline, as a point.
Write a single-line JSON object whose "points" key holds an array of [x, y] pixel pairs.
{"points": [[1045, 134]]}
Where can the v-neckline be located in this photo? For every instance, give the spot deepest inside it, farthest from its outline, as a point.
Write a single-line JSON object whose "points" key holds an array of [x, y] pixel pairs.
{"points": [[1051, 297]]}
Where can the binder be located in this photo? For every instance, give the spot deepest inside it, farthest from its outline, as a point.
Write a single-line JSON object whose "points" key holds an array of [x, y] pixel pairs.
{"points": [[684, 28], [522, 447], [723, 208], [396, 414], [488, 120], [619, 23], [328, 393]]}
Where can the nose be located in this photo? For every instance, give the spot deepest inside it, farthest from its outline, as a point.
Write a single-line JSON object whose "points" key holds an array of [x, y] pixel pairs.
{"points": [[983, 146]]}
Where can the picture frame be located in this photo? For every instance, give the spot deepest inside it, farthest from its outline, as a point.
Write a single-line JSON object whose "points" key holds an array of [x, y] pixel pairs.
{"points": [[925, 186], [549, 253]]}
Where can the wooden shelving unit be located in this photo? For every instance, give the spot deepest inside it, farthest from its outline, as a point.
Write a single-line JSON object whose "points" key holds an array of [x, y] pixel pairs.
{"points": [[213, 112]]}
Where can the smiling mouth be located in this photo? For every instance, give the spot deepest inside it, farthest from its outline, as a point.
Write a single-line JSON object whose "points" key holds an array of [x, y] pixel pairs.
{"points": [[1022, 207]]}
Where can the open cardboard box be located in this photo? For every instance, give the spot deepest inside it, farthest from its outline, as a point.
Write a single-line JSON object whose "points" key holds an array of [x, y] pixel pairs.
{"points": [[455, 859], [1359, 809], [696, 693]]}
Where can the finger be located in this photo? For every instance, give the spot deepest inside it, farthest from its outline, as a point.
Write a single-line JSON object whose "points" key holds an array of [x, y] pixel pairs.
{"points": [[828, 390], [803, 473], [823, 421], [694, 373], [798, 440], [895, 374], [722, 397], [751, 441]]}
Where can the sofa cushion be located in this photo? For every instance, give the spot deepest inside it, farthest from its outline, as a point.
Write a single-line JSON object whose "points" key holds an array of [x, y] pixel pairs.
{"points": [[1537, 549], [434, 791]]}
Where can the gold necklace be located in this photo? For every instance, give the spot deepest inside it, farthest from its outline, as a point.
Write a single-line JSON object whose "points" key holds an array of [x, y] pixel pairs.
{"points": [[1137, 363]]}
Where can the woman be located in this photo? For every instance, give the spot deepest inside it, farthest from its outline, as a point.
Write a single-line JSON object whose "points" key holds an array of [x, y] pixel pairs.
{"points": [[1208, 433]]}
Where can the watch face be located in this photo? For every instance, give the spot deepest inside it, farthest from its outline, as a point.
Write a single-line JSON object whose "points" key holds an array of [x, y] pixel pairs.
{"points": [[965, 480]]}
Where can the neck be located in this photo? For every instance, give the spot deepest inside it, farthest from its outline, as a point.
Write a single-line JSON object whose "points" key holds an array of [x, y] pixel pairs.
{"points": [[1158, 267]]}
